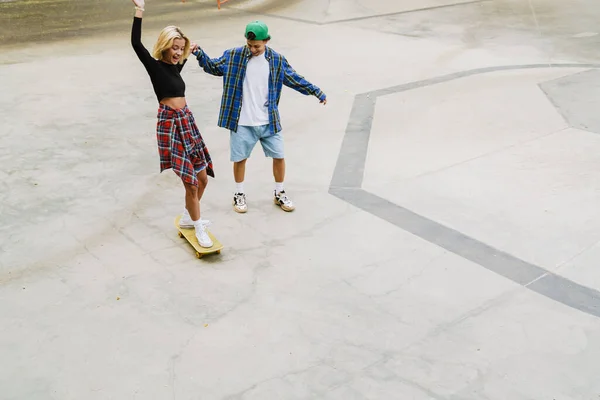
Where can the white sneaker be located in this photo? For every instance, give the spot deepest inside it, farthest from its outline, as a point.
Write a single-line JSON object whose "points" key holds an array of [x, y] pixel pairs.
{"points": [[186, 221], [201, 234], [239, 203], [283, 201]]}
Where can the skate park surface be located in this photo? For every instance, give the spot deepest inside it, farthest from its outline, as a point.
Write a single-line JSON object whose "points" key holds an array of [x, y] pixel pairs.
{"points": [[446, 239]]}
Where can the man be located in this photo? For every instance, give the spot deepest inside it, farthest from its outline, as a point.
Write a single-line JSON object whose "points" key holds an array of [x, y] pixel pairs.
{"points": [[253, 76]]}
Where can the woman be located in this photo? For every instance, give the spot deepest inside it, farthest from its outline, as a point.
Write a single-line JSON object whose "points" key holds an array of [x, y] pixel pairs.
{"points": [[180, 144]]}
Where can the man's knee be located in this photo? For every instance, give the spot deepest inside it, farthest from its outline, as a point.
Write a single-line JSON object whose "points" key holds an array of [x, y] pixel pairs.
{"points": [[273, 147]]}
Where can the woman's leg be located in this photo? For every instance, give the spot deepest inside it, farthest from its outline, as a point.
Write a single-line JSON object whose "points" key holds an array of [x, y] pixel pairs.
{"points": [[193, 195], [191, 201], [202, 183]]}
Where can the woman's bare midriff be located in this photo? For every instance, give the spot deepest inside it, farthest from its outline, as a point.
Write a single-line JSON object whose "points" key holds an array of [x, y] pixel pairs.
{"points": [[174, 102]]}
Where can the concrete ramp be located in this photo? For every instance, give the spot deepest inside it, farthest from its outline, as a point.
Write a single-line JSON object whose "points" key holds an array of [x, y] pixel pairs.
{"points": [[446, 237]]}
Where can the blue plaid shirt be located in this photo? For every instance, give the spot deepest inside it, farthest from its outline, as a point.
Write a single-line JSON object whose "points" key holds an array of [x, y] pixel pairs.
{"points": [[232, 67]]}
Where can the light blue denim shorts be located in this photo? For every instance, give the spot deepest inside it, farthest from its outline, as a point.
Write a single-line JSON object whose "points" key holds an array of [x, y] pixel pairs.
{"points": [[242, 142]]}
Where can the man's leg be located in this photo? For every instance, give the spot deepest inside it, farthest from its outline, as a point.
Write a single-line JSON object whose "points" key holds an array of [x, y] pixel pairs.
{"points": [[279, 170], [239, 171], [279, 174], [241, 144], [281, 198], [273, 147]]}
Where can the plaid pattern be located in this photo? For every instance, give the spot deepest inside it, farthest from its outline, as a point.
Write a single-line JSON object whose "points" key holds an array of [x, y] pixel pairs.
{"points": [[180, 144], [232, 67]]}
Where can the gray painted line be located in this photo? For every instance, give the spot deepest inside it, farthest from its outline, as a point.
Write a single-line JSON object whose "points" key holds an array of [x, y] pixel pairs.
{"points": [[579, 111], [454, 241], [346, 185], [569, 293], [350, 166], [519, 271], [467, 73]]}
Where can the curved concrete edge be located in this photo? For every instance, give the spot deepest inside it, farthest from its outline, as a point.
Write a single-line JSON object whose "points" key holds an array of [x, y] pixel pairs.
{"points": [[347, 181], [268, 12]]}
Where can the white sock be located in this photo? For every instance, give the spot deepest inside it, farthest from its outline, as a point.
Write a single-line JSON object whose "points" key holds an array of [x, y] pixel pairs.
{"points": [[239, 187], [186, 213], [278, 187]]}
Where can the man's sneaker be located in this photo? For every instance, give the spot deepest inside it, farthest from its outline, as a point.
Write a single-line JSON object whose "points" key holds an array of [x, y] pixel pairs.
{"points": [[186, 221], [283, 201], [239, 202], [201, 234]]}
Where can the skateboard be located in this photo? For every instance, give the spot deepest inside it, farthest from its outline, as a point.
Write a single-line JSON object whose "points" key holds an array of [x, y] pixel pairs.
{"points": [[190, 235]]}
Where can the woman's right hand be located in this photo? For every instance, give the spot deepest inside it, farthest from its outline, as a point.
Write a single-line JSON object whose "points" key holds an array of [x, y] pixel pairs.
{"points": [[139, 3]]}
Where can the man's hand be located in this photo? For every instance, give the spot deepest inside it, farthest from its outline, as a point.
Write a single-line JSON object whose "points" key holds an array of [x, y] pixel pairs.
{"points": [[194, 47], [324, 101], [139, 3]]}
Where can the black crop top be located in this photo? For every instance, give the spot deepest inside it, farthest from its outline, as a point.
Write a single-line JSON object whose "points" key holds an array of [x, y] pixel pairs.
{"points": [[166, 80]]}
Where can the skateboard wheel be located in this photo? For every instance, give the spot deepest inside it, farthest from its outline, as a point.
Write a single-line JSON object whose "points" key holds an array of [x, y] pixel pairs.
{"points": [[218, 251], [198, 255], [180, 235]]}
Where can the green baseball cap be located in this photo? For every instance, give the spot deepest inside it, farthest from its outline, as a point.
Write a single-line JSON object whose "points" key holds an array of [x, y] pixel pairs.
{"points": [[260, 30]]}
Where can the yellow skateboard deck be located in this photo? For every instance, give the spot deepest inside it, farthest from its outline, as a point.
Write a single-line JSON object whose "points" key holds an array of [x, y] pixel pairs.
{"points": [[190, 235]]}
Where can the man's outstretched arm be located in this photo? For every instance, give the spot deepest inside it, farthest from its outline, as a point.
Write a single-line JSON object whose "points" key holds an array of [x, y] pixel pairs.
{"points": [[213, 66], [295, 81]]}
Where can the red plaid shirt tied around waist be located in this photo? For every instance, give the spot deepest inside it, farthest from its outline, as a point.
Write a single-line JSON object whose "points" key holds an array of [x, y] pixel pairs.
{"points": [[180, 144]]}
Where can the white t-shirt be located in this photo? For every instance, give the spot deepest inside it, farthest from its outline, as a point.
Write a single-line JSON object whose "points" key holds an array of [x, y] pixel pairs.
{"points": [[256, 93]]}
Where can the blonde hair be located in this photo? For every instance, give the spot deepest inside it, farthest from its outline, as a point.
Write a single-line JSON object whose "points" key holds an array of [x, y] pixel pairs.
{"points": [[165, 42]]}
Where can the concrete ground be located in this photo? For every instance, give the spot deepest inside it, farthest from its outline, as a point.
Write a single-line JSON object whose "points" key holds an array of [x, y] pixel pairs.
{"points": [[446, 240]]}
